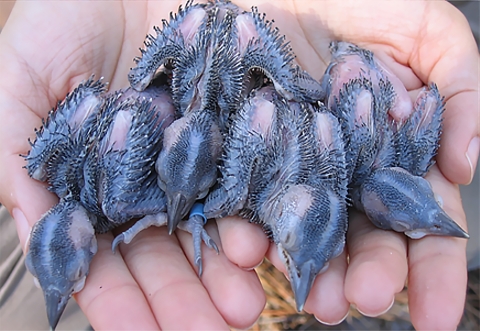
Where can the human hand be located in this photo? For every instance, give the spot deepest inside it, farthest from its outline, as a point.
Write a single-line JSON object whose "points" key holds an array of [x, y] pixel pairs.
{"points": [[420, 42], [46, 49], [32, 82]]}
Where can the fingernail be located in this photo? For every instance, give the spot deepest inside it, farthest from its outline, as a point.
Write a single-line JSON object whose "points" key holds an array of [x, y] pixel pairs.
{"points": [[472, 154], [331, 324], [254, 267], [251, 326], [23, 229], [381, 313]]}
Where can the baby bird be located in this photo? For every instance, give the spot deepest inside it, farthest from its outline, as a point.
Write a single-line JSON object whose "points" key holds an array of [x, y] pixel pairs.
{"points": [[251, 134], [279, 169], [162, 51], [58, 152], [212, 51], [305, 207], [262, 47], [309, 221], [61, 245], [130, 138], [115, 153], [186, 166], [397, 197], [351, 62], [389, 147]]}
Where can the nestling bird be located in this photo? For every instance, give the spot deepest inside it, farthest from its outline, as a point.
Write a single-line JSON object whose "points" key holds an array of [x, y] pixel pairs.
{"points": [[62, 243], [388, 146], [213, 50], [219, 113], [284, 168], [123, 141], [58, 152]]}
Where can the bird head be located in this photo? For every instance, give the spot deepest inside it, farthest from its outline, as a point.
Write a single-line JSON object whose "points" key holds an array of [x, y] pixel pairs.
{"points": [[308, 226], [187, 164], [394, 199], [62, 244]]}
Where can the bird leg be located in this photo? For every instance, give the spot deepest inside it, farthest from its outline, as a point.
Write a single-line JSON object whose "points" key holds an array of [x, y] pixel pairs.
{"points": [[127, 236], [194, 225]]}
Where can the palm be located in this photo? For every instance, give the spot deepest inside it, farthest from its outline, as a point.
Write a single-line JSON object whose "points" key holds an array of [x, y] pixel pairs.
{"points": [[153, 275]]}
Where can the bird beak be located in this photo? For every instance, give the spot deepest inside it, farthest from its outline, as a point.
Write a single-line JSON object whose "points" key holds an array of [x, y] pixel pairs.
{"points": [[443, 226], [302, 280], [176, 210], [449, 227], [56, 303]]}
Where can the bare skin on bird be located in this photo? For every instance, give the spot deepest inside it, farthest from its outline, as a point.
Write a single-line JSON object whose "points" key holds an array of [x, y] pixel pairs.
{"points": [[292, 182], [60, 143], [107, 131], [389, 146], [217, 92], [350, 62], [209, 39]]}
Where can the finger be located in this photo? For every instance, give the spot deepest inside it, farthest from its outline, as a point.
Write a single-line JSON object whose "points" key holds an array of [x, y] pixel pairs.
{"points": [[26, 199], [378, 265], [236, 293], [111, 299], [460, 144], [244, 243], [438, 270], [327, 299], [455, 70], [173, 291]]}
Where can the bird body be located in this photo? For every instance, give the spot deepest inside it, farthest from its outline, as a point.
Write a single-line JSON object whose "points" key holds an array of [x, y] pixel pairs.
{"points": [[389, 146], [107, 175], [284, 168]]}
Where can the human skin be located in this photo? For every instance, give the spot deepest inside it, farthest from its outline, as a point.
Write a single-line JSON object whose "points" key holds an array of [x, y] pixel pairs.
{"points": [[47, 48]]}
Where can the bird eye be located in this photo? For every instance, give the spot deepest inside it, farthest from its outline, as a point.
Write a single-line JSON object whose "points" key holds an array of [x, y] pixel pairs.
{"points": [[36, 282], [288, 239], [93, 246], [202, 194], [79, 285], [78, 271], [161, 184]]}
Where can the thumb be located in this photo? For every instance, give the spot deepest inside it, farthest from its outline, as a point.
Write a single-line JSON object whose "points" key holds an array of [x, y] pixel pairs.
{"points": [[26, 199]]}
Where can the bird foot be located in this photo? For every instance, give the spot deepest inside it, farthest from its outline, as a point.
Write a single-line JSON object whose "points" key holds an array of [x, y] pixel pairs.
{"points": [[127, 236], [194, 225]]}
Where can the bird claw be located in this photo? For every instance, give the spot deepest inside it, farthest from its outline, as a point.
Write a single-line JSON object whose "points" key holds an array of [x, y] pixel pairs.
{"points": [[200, 234], [117, 240], [195, 225], [127, 236], [198, 253]]}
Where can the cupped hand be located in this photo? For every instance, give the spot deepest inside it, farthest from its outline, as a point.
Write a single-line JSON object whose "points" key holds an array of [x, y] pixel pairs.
{"points": [[46, 50], [421, 42]]}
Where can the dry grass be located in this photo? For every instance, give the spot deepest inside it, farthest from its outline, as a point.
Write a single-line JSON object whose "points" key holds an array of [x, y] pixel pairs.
{"points": [[280, 312]]}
